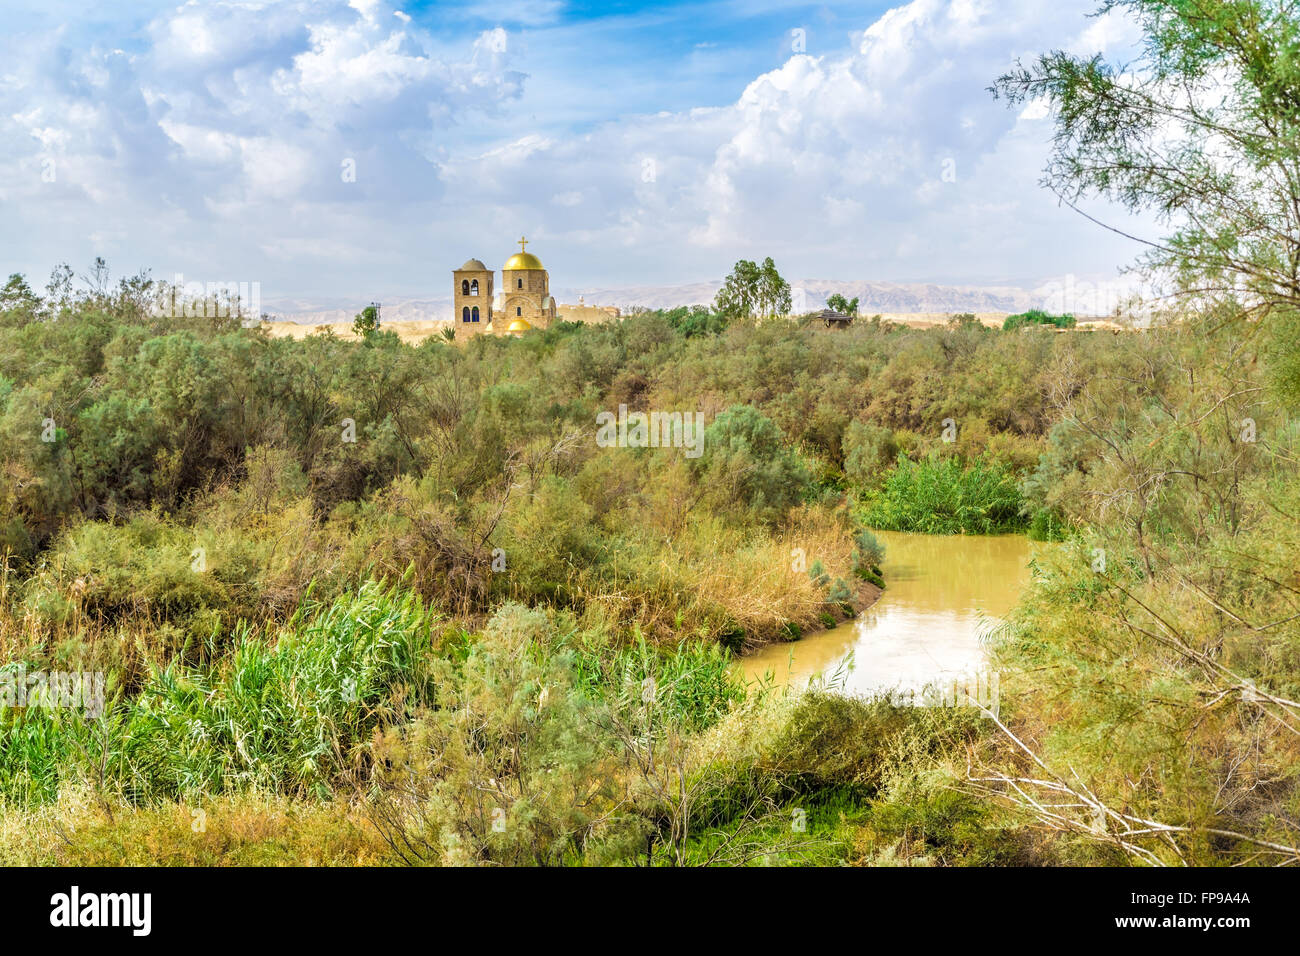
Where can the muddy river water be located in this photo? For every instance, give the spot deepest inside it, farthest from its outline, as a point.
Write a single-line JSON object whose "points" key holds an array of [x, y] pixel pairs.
{"points": [[943, 592]]}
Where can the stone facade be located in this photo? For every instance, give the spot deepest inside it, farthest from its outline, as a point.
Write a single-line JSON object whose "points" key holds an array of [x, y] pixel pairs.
{"points": [[526, 295], [472, 296]]}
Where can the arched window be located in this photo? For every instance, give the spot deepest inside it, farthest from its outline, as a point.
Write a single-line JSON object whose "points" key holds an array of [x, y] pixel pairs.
{"points": [[475, 314], [520, 284], [518, 310], [464, 287], [464, 314], [473, 287]]}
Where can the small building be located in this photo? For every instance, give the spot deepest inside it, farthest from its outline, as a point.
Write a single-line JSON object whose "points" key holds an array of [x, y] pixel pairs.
{"points": [[833, 319], [590, 314]]}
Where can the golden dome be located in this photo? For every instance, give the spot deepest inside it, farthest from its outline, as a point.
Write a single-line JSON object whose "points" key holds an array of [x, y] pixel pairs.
{"points": [[522, 259], [519, 325]]}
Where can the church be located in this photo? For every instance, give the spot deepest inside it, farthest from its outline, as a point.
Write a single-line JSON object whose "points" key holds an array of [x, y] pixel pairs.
{"points": [[522, 303]]}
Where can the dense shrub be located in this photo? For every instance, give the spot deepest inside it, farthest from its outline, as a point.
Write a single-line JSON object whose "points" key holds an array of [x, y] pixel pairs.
{"points": [[1036, 317], [946, 496], [746, 462]]}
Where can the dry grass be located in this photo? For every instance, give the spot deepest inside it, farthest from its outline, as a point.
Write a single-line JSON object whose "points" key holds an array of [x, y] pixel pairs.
{"points": [[711, 579], [249, 830]]}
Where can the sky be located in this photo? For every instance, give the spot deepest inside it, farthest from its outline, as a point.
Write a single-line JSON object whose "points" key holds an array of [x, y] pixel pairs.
{"points": [[326, 148]]}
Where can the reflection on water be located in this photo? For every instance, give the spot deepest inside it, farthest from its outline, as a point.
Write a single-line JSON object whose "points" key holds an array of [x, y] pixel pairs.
{"points": [[943, 592]]}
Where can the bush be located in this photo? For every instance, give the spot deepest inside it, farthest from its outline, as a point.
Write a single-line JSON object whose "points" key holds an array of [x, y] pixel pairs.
{"points": [[868, 554], [1036, 317], [747, 463], [869, 450], [947, 496], [1046, 525]]}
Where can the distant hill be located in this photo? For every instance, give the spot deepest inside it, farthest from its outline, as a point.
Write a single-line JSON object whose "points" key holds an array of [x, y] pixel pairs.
{"points": [[809, 295]]}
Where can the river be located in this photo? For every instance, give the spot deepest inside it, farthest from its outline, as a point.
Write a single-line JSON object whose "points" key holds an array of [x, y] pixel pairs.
{"points": [[942, 592]]}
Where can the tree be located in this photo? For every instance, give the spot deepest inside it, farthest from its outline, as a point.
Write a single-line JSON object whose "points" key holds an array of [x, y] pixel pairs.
{"points": [[366, 322], [17, 296], [96, 281], [739, 293], [135, 294], [58, 291], [752, 291], [1203, 129], [695, 320], [842, 305], [773, 291]]}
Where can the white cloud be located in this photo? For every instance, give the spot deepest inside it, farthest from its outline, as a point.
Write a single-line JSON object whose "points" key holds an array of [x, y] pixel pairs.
{"points": [[1035, 110], [892, 160], [221, 139]]}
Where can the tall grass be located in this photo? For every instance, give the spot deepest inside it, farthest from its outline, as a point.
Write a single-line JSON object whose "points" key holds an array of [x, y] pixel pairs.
{"points": [[947, 496], [289, 714], [694, 683]]}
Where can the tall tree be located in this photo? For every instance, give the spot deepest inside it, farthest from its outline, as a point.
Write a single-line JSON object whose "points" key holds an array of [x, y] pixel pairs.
{"points": [[17, 296], [774, 291], [1203, 129], [841, 304], [366, 322], [738, 297], [752, 291]]}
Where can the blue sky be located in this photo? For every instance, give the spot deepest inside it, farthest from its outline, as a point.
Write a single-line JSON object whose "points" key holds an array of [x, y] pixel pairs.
{"points": [[636, 144]]}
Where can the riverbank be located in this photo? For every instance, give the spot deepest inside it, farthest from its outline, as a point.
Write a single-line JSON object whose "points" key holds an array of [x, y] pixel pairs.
{"points": [[864, 597]]}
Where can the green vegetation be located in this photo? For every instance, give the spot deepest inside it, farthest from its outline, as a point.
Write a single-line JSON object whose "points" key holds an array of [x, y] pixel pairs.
{"points": [[1153, 662], [694, 320], [363, 602], [1036, 317], [947, 496], [300, 563], [282, 713], [842, 305], [753, 291], [294, 623], [366, 322]]}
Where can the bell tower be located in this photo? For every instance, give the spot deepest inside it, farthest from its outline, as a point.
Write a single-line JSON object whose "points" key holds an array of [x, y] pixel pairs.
{"points": [[471, 297]]}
